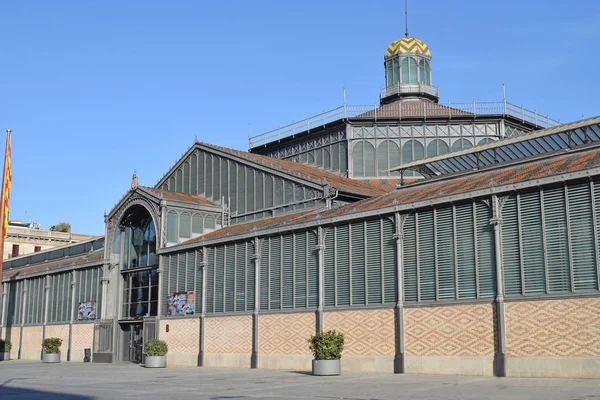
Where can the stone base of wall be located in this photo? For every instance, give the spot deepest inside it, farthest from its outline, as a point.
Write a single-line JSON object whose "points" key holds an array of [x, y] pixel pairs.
{"points": [[380, 364], [553, 367], [182, 359], [441, 365], [31, 354], [227, 360], [289, 362]]}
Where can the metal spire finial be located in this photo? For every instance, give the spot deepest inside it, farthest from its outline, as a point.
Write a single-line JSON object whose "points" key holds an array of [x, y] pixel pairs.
{"points": [[406, 16]]}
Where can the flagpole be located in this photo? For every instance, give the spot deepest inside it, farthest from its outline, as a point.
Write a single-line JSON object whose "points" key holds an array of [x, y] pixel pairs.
{"points": [[3, 208]]}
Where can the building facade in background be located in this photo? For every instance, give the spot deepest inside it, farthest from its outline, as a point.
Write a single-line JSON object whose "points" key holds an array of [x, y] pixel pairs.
{"points": [[26, 238], [484, 262]]}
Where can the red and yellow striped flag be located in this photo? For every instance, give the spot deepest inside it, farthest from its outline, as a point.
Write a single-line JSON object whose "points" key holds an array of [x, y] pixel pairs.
{"points": [[6, 185]]}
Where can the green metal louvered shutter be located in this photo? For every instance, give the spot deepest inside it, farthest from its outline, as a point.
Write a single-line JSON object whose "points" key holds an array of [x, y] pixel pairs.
{"points": [[444, 235], [557, 248], [275, 274], [198, 294], [219, 279], [186, 177], [389, 260], [250, 276], [301, 270], [465, 251], [233, 187], [426, 254], [194, 173], [313, 269], [532, 243], [511, 238], [208, 175], [357, 248], [287, 270], [264, 274], [240, 276], [374, 262], [229, 278], [210, 280], [224, 184], [585, 272], [342, 265], [486, 253], [329, 268], [409, 253], [201, 174], [181, 272]]}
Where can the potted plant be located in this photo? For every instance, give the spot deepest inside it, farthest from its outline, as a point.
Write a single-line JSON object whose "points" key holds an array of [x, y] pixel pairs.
{"points": [[327, 349], [5, 346], [156, 354], [52, 350]]}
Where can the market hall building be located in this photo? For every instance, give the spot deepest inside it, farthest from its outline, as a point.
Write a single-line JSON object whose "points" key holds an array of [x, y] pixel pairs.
{"points": [[439, 238]]}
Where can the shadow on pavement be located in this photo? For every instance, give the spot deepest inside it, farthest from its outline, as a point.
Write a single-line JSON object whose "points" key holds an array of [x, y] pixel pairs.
{"points": [[10, 393]]}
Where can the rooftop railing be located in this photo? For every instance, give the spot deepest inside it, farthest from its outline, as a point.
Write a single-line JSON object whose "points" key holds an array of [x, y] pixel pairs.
{"points": [[409, 88], [404, 110], [17, 230]]}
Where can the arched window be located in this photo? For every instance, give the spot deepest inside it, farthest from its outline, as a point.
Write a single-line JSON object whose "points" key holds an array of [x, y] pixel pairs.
{"points": [[185, 225], [388, 156], [210, 223], [320, 157], [357, 159], [326, 159], [172, 183], [437, 147], [485, 141], [461, 144], [424, 72], [363, 156], [179, 181], [139, 239], [172, 227], [412, 150], [369, 159], [197, 225], [140, 287]]}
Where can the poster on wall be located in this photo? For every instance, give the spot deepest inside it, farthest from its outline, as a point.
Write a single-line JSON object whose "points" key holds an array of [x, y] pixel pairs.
{"points": [[86, 311], [181, 303]]}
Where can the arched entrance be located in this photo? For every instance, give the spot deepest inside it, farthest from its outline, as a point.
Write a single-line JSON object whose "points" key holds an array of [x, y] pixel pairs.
{"points": [[134, 248]]}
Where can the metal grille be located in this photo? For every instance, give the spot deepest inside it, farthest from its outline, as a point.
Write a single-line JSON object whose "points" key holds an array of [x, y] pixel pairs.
{"points": [[103, 336]]}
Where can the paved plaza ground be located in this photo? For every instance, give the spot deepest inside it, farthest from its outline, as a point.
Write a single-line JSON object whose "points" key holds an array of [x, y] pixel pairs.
{"points": [[33, 380]]}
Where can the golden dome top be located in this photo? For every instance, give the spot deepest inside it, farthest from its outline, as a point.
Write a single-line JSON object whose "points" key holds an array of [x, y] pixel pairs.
{"points": [[407, 45]]}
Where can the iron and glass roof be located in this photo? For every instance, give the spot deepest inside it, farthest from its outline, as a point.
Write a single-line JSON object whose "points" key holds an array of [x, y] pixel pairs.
{"points": [[530, 144]]}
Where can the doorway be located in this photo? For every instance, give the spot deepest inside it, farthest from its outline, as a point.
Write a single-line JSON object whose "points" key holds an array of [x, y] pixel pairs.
{"points": [[132, 344]]}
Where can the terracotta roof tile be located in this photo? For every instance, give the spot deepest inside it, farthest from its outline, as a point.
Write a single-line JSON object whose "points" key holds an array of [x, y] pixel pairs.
{"points": [[312, 174], [413, 109], [177, 196]]}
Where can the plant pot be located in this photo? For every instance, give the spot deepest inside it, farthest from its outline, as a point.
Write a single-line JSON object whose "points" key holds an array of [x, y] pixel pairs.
{"points": [[326, 367], [5, 356], [155, 362], [51, 357]]}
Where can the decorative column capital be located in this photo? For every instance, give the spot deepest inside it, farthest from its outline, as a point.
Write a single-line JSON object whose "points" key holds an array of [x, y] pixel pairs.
{"points": [[496, 221], [320, 247]]}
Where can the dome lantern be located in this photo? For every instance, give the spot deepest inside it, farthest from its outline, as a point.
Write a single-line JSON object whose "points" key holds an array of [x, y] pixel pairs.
{"points": [[407, 64]]}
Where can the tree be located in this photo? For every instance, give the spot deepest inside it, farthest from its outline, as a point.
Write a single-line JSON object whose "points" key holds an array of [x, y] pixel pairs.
{"points": [[61, 227]]}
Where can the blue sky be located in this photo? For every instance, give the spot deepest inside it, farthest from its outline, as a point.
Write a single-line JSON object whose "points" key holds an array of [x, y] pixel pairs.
{"points": [[94, 90]]}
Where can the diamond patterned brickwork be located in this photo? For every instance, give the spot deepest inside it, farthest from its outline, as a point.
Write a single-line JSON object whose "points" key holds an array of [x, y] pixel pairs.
{"points": [[14, 335], [228, 335], [567, 328], [285, 333], [367, 332], [61, 332], [32, 338], [83, 337], [466, 330], [183, 335]]}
